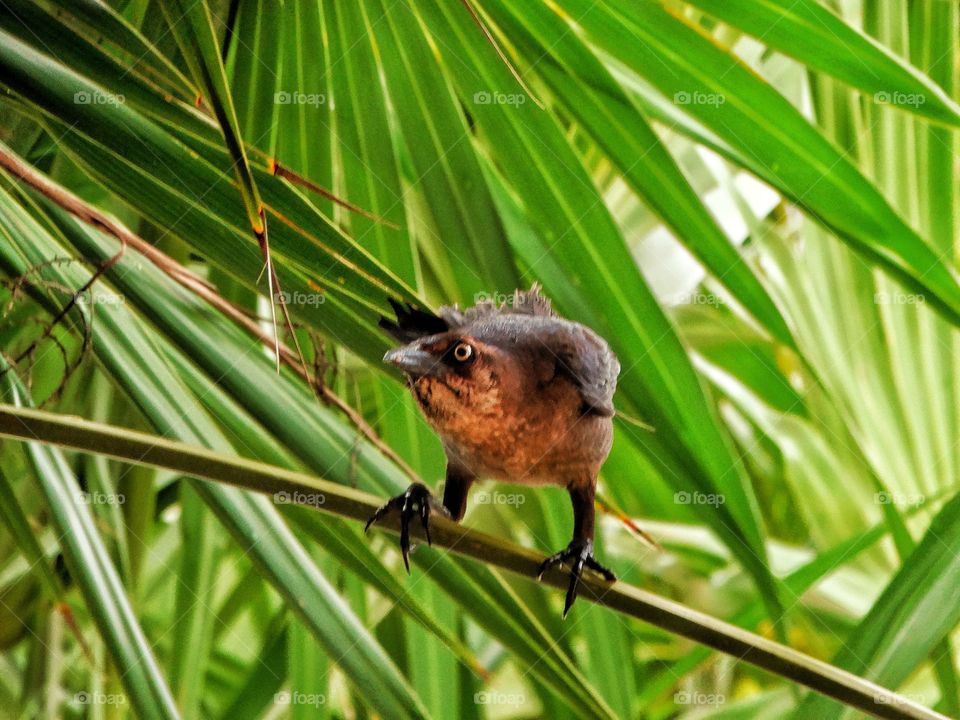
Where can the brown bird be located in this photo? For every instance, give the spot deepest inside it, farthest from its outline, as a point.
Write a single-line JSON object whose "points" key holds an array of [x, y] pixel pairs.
{"points": [[516, 394]]}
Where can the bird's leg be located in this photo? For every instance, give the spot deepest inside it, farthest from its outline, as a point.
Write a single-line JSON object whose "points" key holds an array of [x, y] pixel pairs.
{"points": [[455, 491], [580, 550], [417, 500]]}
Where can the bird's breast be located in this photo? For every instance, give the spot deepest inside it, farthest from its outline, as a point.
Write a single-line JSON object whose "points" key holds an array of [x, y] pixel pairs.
{"points": [[534, 438], [518, 453]]}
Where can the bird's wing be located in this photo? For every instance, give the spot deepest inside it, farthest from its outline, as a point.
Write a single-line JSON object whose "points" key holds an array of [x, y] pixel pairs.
{"points": [[555, 348], [590, 364]]}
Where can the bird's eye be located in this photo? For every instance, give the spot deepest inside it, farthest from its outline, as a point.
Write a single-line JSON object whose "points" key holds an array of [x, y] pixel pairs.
{"points": [[462, 352]]}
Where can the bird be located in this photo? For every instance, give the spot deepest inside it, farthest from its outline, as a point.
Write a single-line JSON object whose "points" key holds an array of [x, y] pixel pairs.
{"points": [[517, 394]]}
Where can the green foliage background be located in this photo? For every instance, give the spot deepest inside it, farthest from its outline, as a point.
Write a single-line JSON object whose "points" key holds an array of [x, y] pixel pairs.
{"points": [[756, 203]]}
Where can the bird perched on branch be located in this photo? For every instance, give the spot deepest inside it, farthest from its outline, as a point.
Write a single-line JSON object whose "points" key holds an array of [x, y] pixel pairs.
{"points": [[516, 394]]}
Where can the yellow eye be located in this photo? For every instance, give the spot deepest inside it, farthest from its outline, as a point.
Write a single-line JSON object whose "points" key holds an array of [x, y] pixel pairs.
{"points": [[462, 352]]}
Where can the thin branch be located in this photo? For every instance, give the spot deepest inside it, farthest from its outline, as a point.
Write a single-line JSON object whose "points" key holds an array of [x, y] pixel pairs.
{"points": [[140, 448], [289, 175]]}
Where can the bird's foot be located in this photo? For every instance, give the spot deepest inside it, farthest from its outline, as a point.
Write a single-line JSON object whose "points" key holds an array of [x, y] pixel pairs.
{"points": [[416, 500], [580, 554]]}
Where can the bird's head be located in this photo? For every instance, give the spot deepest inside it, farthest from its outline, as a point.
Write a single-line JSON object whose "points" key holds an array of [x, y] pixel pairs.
{"points": [[456, 375]]}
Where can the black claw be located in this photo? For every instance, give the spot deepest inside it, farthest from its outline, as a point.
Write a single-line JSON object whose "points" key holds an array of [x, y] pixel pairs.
{"points": [[580, 552], [376, 516], [425, 520], [575, 571], [416, 499], [405, 531], [597, 567]]}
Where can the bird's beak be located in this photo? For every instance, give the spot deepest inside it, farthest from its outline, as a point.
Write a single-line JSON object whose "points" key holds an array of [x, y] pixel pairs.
{"points": [[412, 361]]}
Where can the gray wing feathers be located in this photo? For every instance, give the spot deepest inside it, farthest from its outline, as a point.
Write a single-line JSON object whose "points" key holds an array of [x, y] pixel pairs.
{"points": [[588, 361]]}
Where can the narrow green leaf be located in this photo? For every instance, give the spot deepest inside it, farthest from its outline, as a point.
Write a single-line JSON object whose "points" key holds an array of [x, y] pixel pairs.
{"points": [[196, 574], [366, 156], [811, 33], [261, 688], [118, 84]]}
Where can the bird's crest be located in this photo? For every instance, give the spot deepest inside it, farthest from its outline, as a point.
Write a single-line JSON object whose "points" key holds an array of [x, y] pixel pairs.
{"points": [[413, 323]]}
